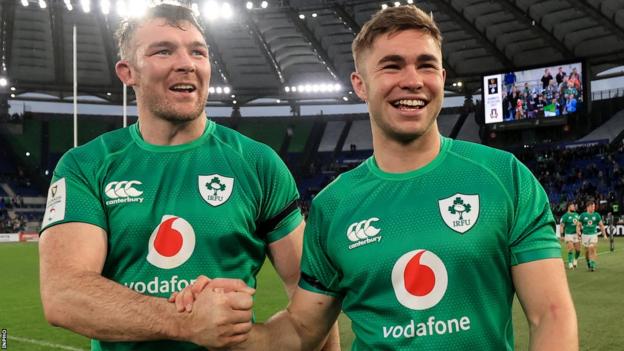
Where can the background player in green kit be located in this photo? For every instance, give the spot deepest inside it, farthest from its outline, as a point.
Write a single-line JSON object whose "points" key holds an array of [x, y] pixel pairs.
{"points": [[587, 230], [424, 245], [140, 212], [567, 228]]}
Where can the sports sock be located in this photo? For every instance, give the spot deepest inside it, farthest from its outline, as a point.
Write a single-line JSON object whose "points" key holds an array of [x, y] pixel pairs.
{"points": [[570, 255], [578, 253]]}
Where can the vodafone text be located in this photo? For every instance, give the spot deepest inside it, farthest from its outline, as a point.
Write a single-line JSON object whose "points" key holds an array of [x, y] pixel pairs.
{"points": [[430, 327], [156, 285]]}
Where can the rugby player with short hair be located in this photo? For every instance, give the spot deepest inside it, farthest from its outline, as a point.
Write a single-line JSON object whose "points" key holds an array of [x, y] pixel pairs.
{"points": [[138, 213], [425, 244], [586, 228], [567, 228]]}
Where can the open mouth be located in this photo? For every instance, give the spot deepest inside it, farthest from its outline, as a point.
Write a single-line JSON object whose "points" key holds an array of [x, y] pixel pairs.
{"points": [[183, 88], [409, 104]]}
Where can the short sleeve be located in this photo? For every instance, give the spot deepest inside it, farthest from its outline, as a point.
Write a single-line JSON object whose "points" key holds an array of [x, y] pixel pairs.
{"points": [[318, 274], [73, 196], [532, 235], [279, 213]]}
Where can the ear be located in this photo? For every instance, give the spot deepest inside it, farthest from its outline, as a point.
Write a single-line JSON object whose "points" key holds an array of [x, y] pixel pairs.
{"points": [[359, 86], [124, 72]]}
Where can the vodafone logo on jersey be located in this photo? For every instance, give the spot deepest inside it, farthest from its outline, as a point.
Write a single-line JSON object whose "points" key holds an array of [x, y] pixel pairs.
{"points": [[419, 279], [172, 243]]}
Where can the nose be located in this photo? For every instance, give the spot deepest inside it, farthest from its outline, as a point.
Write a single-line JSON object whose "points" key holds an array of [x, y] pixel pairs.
{"points": [[184, 63], [411, 79]]}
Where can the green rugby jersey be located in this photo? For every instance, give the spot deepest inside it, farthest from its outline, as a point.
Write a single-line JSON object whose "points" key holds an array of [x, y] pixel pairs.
{"points": [[422, 260], [569, 221], [171, 213], [590, 221]]}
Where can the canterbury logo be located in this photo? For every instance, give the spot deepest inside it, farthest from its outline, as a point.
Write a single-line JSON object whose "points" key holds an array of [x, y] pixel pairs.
{"points": [[115, 190], [362, 230]]}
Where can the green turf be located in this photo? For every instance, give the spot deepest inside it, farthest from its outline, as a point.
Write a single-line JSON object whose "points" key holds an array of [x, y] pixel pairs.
{"points": [[596, 297]]}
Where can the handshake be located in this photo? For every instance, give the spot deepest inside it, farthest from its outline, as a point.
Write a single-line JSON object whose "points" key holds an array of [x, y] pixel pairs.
{"points": [[219, 311]]}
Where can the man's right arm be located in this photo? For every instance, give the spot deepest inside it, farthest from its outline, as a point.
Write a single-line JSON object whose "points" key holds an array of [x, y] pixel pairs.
{"points": [[304, 324], [76, 296]]}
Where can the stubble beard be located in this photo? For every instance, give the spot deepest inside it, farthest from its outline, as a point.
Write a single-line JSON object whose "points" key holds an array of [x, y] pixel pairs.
{"points": [[161, 108]]}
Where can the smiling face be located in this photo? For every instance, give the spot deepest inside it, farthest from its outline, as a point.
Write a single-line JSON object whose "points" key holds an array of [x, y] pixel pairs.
{"points": [[169, 71], [402, 80]]}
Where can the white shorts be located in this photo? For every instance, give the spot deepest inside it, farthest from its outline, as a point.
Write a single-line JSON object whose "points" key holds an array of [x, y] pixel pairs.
{"points": [[571, 237], [589, 240]]}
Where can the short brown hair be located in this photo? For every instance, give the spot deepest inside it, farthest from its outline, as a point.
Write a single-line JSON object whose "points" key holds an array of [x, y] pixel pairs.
{"points": [[174, 15], [390, 21]]}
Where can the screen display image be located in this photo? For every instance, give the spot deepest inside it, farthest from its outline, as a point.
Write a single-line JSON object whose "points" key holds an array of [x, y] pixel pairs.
{"points": [[546, 92]]}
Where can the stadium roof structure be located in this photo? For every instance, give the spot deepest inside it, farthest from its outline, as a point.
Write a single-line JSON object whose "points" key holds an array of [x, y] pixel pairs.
{"points": [[294, 45]]}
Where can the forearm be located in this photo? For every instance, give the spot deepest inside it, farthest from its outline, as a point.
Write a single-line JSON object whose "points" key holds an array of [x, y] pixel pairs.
{"points": [[283, 332], [94, 306], [332, 343], [557, 330]]}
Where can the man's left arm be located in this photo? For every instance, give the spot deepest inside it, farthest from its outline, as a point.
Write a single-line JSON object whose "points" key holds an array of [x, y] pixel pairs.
{"points": [[542, 289], [603, 230], [285, 255]]}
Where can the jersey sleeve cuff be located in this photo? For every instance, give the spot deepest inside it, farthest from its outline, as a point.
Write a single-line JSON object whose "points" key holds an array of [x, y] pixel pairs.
{"points": [[288, 225], [309, 287], [87, 221], [535, 255]]}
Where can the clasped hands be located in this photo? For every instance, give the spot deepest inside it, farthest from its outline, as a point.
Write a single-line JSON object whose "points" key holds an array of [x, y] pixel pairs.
{"points": [[220, 311]]}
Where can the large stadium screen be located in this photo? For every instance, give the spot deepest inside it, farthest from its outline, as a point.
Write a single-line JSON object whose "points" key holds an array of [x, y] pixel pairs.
{"points": [[550, 92]]}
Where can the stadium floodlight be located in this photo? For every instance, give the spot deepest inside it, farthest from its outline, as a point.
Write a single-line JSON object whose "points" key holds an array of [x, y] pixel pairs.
{"points": [[47, 172], [211, 10], [86, 5], [410, 2], [42, 4], [307, 88], [302, 16], [227, 90], [233, 96], [316, 88], [195, 9], [337, 87], [278, 101], [12, 96], [211, 90], [287, 89], [121, 8], [294, 89], [12, 88], [397, 4], [4, 82], [27, 154], [137, 8], [226, 11], [219, 90], [345, 98], [234, 102], [459, 84], [249, 5], [25, 3], [264, 4], [105, 6], [314, 15], [384, 6], [68, 5]]}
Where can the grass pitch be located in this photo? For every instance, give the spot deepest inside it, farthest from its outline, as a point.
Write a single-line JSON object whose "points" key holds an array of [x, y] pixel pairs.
{"points": [[597, 297]]}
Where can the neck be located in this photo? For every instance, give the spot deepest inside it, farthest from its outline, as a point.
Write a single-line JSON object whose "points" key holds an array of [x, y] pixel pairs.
{"points": [[395, 157], [158, 131]]}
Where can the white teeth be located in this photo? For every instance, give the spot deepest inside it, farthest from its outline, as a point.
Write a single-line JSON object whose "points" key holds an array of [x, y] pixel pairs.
{"points": [[183, 87], [411, 103]]}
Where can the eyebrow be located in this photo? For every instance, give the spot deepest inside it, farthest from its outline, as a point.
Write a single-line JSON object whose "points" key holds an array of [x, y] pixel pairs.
{"points": [[399, 58], [165, 43]]}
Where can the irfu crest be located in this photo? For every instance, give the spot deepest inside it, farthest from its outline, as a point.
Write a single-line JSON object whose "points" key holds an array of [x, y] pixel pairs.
{"points": [[215, 189], [460, 212]]}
